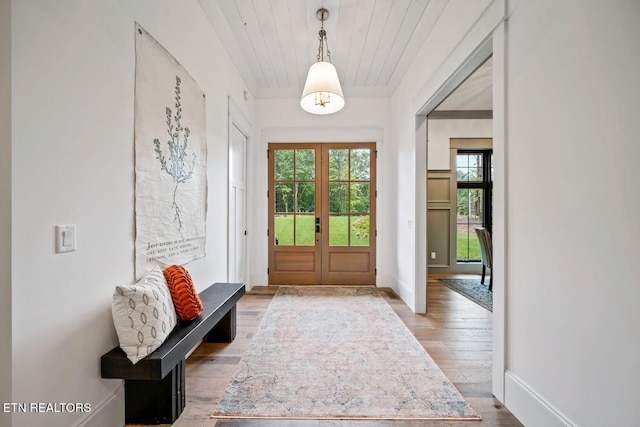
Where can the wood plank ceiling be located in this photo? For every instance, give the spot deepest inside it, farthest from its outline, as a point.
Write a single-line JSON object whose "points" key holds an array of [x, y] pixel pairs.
{"points": [[372, 42]]}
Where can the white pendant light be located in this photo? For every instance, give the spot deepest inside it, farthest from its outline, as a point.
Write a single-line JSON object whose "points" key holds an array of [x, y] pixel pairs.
{"points": [[322, 92]]}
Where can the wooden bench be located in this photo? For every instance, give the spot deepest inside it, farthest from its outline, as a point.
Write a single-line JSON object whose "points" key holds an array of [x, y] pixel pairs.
{"points": [[154, 388]]}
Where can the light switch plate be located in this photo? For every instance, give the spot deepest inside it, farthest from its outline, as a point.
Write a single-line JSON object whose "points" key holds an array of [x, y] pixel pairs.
{"points": [[65, 238]]}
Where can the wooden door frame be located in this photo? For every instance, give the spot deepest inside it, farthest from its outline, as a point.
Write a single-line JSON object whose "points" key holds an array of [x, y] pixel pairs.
{"points": [[322, 249], [302, 252], [350, 278]]}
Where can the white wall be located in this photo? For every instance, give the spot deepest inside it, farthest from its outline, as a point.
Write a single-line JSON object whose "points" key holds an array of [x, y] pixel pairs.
{"points": [[573, 99], [282, 120], [5, 207], [73, 81], [440, 131], [444, 52]]}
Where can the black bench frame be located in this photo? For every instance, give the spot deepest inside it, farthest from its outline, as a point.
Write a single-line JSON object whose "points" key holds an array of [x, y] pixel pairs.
{"points": [[154, 388]]}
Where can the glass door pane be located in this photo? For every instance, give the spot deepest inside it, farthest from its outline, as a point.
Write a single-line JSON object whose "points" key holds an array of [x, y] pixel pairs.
{"points": [[295, 197], [469, 217], [349, 196]]}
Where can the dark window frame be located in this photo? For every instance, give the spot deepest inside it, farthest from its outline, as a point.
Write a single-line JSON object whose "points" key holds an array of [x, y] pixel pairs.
{"points": [[486, 185]]}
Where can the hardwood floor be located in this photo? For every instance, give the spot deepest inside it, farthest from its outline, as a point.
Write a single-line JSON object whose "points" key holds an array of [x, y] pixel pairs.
{"points": [[456, 332]]}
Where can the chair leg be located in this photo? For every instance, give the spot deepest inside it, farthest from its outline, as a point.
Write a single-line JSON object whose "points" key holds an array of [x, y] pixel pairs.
{"points": [[491, 281], [484, 270]]}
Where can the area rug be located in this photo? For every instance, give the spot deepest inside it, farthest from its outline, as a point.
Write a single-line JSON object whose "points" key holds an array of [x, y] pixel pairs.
{"points": [[338, 353], [472, 289]]}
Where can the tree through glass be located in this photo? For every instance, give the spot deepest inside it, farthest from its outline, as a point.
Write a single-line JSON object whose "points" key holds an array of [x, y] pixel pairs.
{"points": [[349, 201], [295, 197], [349, 196]]}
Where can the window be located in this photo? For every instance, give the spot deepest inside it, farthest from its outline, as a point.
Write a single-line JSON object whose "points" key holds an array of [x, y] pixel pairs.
{"points": [[295, 200], [349, 196], [474, 174]]}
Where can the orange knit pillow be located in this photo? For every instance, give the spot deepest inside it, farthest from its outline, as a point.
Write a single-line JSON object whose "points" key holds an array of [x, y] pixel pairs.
{"points": [[185, 298]]}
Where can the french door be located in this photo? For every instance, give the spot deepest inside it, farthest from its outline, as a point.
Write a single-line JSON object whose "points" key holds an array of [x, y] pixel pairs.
{"points": [[322, 213]]}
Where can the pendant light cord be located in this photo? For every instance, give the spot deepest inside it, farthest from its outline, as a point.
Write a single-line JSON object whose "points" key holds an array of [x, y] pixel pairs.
{"points": [[322, 38]]}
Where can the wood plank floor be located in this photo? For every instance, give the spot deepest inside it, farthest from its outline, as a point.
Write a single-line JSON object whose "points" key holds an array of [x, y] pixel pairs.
{"points": [[456, 332]]}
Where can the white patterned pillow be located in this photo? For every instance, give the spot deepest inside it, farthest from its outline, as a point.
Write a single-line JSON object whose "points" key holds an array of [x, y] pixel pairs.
{"points": [[143, 315]]}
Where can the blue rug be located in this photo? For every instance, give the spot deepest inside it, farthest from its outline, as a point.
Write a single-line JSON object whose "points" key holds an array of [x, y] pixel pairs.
{"points": [[472, 289]]}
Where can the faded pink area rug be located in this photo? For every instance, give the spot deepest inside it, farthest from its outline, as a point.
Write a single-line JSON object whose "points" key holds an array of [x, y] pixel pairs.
{"points": [[338, 353]]}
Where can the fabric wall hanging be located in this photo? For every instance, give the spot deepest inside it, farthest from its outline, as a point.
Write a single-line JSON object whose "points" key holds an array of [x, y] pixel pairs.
{"points": [[170, 159]]}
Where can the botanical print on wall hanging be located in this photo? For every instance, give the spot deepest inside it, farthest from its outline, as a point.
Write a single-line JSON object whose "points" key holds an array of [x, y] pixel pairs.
{"points": [[170, 159]]}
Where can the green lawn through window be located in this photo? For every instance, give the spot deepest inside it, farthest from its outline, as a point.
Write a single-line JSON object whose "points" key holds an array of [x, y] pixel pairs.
{"points": [[474, 246], [305, 230]]}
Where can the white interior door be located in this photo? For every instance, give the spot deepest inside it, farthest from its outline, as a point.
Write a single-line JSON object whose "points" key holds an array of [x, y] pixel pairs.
{"points": [[237, 206]]}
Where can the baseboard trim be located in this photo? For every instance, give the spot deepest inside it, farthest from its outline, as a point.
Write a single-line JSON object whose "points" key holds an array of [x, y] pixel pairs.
{"points": [[529, 407], [108, 413]]}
